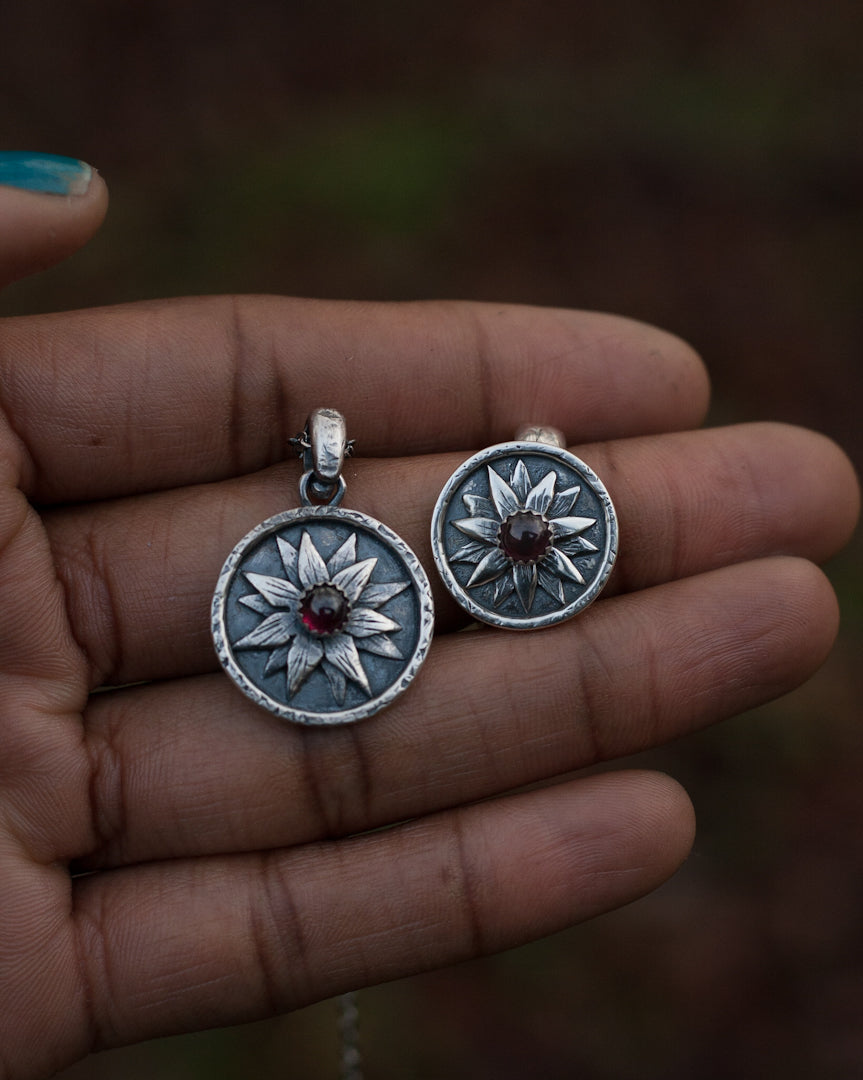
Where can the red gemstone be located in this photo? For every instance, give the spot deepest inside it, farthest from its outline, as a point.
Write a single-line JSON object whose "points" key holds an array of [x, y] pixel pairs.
{"points": [[524, 537], [324, 610]]}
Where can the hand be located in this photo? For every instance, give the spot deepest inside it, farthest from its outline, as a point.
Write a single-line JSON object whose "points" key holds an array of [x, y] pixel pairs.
{"points": [[172, 857]]}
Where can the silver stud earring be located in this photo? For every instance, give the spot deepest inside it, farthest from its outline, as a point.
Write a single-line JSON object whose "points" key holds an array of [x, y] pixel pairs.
{"points": [[322, 615], [524, 534]]}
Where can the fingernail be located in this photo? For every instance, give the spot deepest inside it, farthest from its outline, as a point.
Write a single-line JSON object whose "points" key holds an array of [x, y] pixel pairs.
{"points": [[46, 173]]}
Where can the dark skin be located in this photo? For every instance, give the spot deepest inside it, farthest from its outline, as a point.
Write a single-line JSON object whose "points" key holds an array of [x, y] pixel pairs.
{"points": [[228, 876]]}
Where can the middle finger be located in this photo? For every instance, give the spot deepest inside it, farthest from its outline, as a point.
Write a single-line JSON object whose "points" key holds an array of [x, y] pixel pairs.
{"points": [[139, 573]]}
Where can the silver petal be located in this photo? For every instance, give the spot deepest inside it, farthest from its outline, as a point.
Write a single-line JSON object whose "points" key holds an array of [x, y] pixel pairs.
{"points": [[478, 505], [504, 497], [311, 568], [485, 529], [345, 556], [563, 502], [570, 526], [539, 498], [577, 545], [521, 482], [305, 655], [380, 645], [353, 579], [257, 603], [551, 582], [563, 565], [276, 591], [470, 552], [341, 652], [525, 575], [289, 555], [363, 622], [277, 629], [491, 567], [376, 595], [338, 683], [278, 658], [503, 589]]}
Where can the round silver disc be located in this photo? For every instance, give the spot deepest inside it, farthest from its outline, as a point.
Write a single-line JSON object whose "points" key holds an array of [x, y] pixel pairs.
{"points": [[322, 615], [524, 535]]}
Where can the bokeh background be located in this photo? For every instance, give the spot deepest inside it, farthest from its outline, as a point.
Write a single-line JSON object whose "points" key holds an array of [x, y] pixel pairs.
{"points": [[698, 166]]}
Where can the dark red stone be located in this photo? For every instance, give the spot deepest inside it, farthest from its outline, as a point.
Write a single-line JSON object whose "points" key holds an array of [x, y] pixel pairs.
{"points": [[324, 610], [524, 537]]}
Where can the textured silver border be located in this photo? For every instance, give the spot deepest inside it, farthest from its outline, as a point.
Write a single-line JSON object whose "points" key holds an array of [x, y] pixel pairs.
{"points": [[495, 453], [419, 582]]}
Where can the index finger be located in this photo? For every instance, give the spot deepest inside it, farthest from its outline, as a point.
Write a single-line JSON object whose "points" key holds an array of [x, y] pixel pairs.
{"points": [[147, 396]]}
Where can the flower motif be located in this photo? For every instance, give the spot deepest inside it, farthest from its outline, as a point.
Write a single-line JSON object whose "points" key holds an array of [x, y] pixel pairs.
{"points": [[321, 614], [523, 536]]}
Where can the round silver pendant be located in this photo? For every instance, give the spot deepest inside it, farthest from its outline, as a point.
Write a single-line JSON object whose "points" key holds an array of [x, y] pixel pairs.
{"points": [[524, 535], [322, 615]]}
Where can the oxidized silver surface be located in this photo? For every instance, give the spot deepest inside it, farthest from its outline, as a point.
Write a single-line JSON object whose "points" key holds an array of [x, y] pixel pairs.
{"points": [[266, 647], [322, 615], [547, 486]]}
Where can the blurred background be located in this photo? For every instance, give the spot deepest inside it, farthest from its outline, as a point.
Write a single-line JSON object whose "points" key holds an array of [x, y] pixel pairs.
{"points": [[696, 166]]}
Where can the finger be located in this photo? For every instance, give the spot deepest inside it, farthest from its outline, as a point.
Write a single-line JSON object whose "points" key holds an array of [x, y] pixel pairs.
{"points": [[172, 947], [194, 768], [43, 688], [49, 207], [148, 396], [139, 574]]}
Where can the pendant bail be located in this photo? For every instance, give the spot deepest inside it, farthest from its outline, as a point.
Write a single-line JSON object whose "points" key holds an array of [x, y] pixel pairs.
{"points": [[323, 445], [541, 433], [327, 436]]}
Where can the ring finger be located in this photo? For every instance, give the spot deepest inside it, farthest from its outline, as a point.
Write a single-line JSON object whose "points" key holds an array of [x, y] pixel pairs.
{"points": [[190, 767]]}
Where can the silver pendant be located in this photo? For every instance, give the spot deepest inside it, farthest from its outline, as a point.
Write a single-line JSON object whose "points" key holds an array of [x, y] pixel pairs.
{"points": [[322, 615], [524, 533]]}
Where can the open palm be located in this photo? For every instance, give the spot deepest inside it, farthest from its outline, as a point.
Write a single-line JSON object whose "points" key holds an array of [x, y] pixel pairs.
{"points": [[172, 857]]}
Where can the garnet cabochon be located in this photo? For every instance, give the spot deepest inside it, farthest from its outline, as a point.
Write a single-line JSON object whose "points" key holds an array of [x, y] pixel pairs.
{"points": [[524, 537], [324, 610]]}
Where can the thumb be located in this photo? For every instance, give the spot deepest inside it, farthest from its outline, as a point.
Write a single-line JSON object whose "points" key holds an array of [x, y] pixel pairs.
{"points": [[49, 207]]}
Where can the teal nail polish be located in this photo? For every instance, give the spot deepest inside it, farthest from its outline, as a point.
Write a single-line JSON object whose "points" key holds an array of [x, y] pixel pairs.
{"points": [[47, 173]]}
